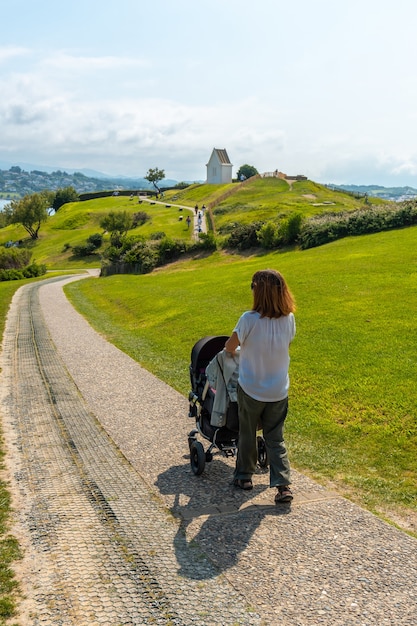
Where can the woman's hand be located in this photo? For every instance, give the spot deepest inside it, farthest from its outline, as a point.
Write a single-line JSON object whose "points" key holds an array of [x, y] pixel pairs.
{"points": [[232, 343]]}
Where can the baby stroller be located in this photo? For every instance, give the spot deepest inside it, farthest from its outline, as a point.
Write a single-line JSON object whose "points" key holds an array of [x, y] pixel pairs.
{"points": [[223, 439]]}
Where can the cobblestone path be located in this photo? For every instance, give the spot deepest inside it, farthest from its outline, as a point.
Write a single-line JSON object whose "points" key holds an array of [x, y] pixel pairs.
{"points": [[102, 546]]}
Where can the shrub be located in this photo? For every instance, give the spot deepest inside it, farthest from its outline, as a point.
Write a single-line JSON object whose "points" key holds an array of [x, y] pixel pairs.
{"points": [[148, 258], [157, 235], [31, 271], [170, 249], [62, 196], [325, 228], [267, 235], [11, 274], [142, 258], [96, 240], [112, 253], [244, 236], [291, 228], [14, 258], [206, 241], [140, 218], [84, 249]]}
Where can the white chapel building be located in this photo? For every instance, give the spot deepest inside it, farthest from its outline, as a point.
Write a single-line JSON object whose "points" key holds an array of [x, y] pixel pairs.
{"points": [[219, 168]]}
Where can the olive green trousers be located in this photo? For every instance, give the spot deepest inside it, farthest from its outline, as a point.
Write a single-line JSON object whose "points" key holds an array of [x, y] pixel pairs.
{"points": [[270, 416]]}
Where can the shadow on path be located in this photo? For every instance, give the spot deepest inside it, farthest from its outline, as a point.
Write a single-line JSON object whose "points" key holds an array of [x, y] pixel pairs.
{"points": [[215, 516]]}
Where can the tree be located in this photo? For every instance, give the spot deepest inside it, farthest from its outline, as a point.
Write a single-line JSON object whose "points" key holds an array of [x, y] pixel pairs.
{"points": [[154, 176], [246, 171], [117, 223], [64, 195], [30, 211]]}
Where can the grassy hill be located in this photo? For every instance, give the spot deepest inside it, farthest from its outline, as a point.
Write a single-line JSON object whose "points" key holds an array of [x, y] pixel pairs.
{"points": [[263, 199], [256, 200], [76, 221]]}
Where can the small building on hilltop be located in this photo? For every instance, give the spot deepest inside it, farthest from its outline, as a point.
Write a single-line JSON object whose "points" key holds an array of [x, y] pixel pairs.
{"points": [[219, 168]]}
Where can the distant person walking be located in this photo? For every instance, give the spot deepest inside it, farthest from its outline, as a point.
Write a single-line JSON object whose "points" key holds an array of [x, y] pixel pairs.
{"points": [[188, 220], [264, 335]]}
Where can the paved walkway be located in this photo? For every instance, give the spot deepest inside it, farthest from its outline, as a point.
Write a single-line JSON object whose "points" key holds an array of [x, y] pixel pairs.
{"points": [[199, 219], [116, 528]]}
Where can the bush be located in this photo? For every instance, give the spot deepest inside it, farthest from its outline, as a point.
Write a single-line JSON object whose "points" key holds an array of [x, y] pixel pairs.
{"points": [[267, 235], [84, 249], [112, 253], [290, 228], [62, 196], [325, 228], [142, 258], [170, 250], [206, 241], [14, 258], [31, 271], [96, 240], [11, 275], [148, 258], [244, 236], [140, 218]]}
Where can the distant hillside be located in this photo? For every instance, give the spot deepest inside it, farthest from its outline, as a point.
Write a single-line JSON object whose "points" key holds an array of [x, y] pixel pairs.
{"points": [[19, 182], [387, 193]]}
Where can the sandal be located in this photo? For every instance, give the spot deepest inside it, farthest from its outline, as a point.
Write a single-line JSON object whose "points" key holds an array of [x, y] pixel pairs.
{"points": [[284, 494], [245, 483]]}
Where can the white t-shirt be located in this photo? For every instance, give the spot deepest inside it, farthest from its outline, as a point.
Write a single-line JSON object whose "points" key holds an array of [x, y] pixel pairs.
{"points": [[264, 355]]}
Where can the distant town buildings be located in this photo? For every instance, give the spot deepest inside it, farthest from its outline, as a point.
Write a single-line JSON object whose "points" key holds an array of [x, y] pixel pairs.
{"points": [[18, 181], [278, 174]]}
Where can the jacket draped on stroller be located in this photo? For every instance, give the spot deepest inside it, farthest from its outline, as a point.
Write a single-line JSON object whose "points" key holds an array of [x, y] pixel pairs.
{"points": [[213, 403]]}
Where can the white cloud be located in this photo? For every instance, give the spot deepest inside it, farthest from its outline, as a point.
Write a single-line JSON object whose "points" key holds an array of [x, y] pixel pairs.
{"points": [[303, 96], [68, 62], [11, 52]]}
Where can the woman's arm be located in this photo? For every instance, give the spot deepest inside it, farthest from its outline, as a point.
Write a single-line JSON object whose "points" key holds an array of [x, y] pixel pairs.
{"points": [[232, 343]]}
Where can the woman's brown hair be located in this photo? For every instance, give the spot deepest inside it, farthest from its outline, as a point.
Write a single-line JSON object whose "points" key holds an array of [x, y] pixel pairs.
{"points": [[271, 296]]}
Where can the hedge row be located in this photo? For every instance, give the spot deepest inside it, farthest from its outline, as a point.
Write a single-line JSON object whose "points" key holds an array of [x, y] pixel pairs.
{"points": [[140, 256], [321, 229], [326, 228], [31, 271]]}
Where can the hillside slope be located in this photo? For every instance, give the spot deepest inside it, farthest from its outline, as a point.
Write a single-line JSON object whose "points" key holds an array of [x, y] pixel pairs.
{"points": [[258, 199]]}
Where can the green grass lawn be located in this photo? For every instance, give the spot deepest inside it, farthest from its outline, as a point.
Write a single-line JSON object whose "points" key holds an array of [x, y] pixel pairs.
{"points": [[198, 194], [353, 399], [76, 221], [272, 198]]}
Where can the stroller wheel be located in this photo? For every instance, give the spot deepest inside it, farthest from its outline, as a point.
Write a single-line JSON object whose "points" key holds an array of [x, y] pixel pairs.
{"points": [[262, 452], [192, 437], [197, 457]]}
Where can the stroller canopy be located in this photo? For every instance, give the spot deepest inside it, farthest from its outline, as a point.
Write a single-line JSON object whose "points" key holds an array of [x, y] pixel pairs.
{"points": [[205, 349]]}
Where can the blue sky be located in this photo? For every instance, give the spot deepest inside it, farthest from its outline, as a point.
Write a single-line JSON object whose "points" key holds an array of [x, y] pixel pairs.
{"points": [[314, 87]]}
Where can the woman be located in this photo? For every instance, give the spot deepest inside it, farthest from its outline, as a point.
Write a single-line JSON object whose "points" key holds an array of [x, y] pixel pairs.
{"points": [[264, 335]]}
